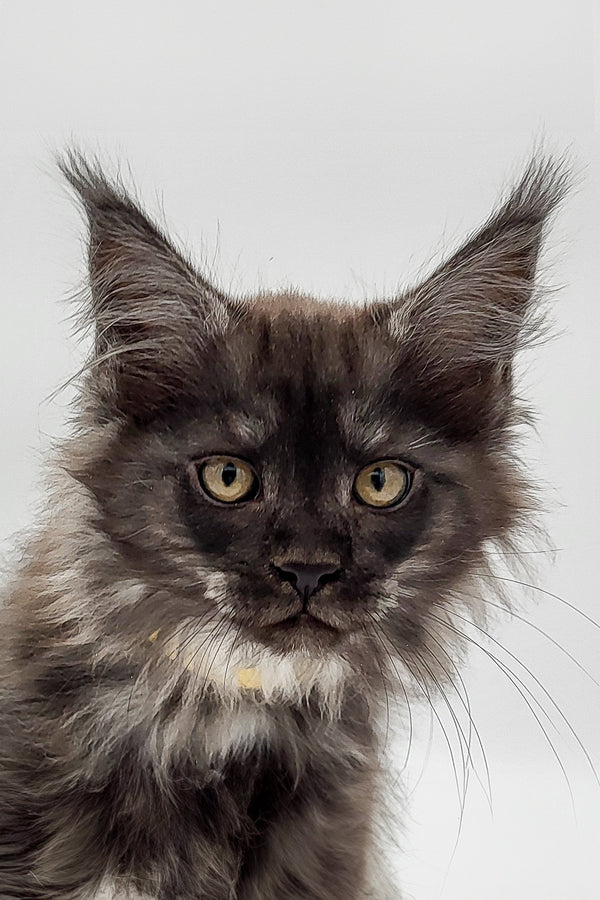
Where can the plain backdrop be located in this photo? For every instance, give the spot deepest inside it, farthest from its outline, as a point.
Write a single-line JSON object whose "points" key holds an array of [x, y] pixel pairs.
{"points": [[342, 147]]}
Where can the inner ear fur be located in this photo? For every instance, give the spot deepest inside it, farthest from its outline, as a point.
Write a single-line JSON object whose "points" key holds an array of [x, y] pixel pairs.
{"points": [[460, 329], [152, 313]]}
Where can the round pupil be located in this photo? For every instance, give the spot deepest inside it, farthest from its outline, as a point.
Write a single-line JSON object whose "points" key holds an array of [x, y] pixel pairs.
{"points": [[378, 478], [229, 473]]}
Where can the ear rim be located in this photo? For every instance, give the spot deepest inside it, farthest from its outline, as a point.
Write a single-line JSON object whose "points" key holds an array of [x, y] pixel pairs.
{"points": [[187, 303], [458, 332], [530, 202], [100, 188], [518, 225]]}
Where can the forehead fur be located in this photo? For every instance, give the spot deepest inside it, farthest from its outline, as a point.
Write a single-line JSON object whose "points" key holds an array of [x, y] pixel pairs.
{"points": [[294, 339], [305, 372]]}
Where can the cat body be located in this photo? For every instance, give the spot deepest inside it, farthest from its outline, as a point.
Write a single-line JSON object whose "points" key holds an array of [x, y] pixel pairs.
{"points": [[256, 536]]}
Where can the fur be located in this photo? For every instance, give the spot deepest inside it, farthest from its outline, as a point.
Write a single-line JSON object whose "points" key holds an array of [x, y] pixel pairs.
{"points": [[135, 762]]}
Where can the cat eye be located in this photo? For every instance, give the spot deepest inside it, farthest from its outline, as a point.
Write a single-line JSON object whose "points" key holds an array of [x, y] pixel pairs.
{"points": [[227, 479], [383, 483]]}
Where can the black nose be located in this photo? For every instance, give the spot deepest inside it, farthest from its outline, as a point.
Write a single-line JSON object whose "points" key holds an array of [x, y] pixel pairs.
{"points": [[307, 579]]}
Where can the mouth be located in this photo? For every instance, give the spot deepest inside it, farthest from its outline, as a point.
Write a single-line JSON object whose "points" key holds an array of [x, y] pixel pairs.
{"points": [[301, 632], [304, 621]]}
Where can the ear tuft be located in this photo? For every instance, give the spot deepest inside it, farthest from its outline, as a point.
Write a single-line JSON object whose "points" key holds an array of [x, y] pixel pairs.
{"points": [[480, 304], [152, 312], [460, 329]]}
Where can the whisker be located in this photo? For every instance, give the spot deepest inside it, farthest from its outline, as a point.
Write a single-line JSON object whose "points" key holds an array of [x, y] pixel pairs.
{"points": [[464, 699], [233, 647], [197, 622], [468, 765], [521, 687], [384, 686], [200, 624], [197, 629], [209, 642], [399, 680], [464, 746], [545, 691], [423, 687], [496, 659], [557, 644], [128, 537], [534, 587], [520, 552], [228, 630]]}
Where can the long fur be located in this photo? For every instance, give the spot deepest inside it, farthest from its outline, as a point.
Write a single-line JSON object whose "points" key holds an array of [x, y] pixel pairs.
{"points": [[136, 759]]}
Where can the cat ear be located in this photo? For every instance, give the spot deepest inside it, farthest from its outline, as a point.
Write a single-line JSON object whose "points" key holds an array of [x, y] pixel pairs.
{"points": [[152, 313], [460, 329]]}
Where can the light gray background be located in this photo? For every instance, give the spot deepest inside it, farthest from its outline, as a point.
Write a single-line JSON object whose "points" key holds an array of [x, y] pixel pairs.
{"points": [[339, 147]]}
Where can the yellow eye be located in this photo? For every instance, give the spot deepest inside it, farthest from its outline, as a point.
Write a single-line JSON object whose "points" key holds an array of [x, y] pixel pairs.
{"points": [[382, 483], [228, 479]]}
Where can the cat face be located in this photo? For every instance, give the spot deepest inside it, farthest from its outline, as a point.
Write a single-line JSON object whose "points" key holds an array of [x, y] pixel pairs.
{"points": [[289, 404], [312, 478]]}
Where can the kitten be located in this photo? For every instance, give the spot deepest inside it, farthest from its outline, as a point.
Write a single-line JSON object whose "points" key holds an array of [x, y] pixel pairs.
{"points": [[257, 534]]}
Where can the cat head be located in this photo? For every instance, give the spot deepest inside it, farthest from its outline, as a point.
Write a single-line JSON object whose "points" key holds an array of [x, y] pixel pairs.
{"points": [[306, 480]]}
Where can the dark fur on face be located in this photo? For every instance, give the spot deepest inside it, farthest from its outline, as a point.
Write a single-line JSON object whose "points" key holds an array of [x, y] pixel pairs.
{"points": [[181, 716]]}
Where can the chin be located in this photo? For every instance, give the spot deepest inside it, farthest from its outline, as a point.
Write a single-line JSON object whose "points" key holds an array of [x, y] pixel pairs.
{"points": [[300, 633]]}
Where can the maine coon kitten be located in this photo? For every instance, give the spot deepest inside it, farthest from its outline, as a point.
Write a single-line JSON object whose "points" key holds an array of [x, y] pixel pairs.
{"points": [[267, 513]]}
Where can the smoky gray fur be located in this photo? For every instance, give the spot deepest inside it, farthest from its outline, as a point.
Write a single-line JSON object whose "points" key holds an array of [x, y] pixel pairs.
{"points": [[132, 762]]}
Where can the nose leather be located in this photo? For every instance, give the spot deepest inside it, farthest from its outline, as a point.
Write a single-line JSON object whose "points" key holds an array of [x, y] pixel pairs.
{"points": [[306, 578]]}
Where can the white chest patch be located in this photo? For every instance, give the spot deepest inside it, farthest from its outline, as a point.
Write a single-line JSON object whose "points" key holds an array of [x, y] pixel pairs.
{"points": [[248, 670]]}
